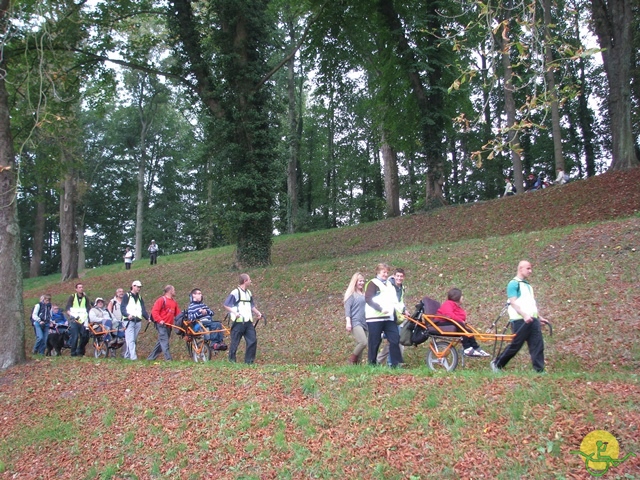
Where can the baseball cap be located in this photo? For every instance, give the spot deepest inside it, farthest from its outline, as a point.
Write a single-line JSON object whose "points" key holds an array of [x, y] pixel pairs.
{"points": [[136, 283], [99, 299]]}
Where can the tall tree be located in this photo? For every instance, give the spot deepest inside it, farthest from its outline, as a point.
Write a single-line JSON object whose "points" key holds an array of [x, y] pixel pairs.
{"points": [[11, 314], [612, 21], [551, 85], [239, 100]]}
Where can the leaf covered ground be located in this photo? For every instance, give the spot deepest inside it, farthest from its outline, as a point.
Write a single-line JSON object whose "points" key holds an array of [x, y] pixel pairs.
{"points": [[301, 413]]}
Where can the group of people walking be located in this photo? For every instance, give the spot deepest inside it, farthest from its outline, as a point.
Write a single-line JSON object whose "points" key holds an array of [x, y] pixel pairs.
{"points": [[375, 309], [372, 310], [128, 310]]}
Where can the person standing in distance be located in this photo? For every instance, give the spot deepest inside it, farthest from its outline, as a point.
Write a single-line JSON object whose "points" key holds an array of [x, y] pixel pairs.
{"points": [[525, 321], [41, 319], [78, 307], [115, 309], [133, 311], [128, 258], [164, 311], [153, 252], [241, 308]]}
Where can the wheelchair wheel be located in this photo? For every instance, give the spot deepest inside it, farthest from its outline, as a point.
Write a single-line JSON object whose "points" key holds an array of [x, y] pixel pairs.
{"points": [[100, 349], [200, 351], [449, 362]]}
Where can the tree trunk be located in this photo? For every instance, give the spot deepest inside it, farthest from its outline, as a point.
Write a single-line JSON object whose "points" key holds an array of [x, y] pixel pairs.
{"points": [[80, 233], [38, 236], [12, 311], [391, 182], [585, 118], [238, 98], [510, 107], [144, 128], [294, 140], [68, 233], [429, 106], [551, 88], [612, 20]]}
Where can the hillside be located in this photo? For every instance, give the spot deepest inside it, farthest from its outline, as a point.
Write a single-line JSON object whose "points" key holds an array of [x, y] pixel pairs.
{"points": [[300, 412], [580, 271]]}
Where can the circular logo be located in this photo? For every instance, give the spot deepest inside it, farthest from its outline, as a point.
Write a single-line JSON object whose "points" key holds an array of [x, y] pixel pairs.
{"points": [[599, 445]]}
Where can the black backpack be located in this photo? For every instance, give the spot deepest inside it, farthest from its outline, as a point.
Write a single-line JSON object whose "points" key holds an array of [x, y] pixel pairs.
{"points": [[427, 306], [179, 322]]}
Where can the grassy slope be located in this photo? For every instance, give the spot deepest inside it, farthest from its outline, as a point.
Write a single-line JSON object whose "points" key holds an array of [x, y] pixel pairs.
{"points": [[276, 420]]}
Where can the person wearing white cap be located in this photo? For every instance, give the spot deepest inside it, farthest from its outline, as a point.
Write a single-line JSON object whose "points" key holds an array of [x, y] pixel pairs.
{"points": [[153, 252], [133, 311]]}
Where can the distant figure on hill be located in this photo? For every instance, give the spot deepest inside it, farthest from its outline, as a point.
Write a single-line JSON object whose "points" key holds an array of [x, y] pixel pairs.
{"points": [[509, 188], [128, 258], [530, 183], [153, 252], [354, 315], [561, 177]]}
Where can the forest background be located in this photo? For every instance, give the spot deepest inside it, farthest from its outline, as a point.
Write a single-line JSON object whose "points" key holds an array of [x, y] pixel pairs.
{"points": [[200, 124]]}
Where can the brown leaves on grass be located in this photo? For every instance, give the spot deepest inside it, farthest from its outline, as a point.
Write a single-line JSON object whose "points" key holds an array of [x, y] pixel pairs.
{"points": [[75, 418]]}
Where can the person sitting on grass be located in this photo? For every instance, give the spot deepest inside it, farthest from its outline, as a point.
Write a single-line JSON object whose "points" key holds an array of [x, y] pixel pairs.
{"points": [[451, 309], [200, 314]]}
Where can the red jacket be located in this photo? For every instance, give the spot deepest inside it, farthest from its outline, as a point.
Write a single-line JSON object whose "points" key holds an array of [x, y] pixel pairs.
{"points": [[165, 310], [452, 310]]}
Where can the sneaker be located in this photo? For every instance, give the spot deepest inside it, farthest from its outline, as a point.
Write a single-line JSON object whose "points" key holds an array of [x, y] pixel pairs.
{"points": [[494, 367], [470, 352], [481, 352]]}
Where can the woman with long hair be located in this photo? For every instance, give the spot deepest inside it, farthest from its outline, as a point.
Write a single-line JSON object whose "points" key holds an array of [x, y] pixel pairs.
{"points": [[354, 315]]}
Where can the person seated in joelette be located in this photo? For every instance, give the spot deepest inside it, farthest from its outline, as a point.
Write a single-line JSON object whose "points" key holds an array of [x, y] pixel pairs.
{"points": [[58, 317], [199, 312], [100, 315], [451, 308]]}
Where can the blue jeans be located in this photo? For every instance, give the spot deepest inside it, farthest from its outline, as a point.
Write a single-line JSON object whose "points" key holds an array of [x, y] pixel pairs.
{"points": [[215, 337], [42, 332]]}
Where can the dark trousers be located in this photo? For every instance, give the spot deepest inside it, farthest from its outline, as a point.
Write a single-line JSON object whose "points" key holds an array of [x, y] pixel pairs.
{"points": [[248, 331], [390, 328], [153, 257], [78, 339], [162, 345], [466, 341], [525, 332]]}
